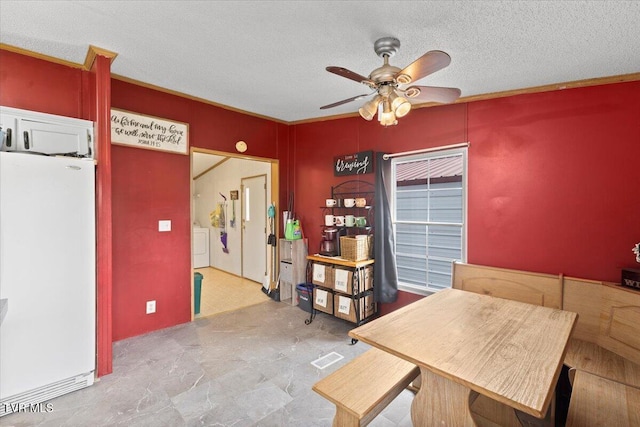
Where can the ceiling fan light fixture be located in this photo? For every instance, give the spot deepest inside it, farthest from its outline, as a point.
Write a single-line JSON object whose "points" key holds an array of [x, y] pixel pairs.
{"points": [[392, 99], [399, 105], [368, 110]]}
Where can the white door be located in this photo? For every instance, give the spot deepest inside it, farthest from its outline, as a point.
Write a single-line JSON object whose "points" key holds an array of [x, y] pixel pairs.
{"points": [[254, 228]]}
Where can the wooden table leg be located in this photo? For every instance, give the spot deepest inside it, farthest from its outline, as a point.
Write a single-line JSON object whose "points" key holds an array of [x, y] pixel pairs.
{"points": [[441, 403]]}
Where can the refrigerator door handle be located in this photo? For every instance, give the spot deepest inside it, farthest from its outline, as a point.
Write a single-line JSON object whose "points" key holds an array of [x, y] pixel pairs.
{"points": [[4, 308], [8, 136]]}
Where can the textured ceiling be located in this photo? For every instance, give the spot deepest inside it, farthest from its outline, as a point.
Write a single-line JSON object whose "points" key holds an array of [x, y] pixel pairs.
{"points": [[269, 57]]}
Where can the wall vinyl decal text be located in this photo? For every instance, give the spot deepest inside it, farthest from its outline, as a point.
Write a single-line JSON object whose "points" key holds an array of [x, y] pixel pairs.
{"points": [[353, 164]]}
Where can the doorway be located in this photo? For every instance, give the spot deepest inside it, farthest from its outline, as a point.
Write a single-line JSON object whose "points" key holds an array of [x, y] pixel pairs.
{"points": [[216, 177]]}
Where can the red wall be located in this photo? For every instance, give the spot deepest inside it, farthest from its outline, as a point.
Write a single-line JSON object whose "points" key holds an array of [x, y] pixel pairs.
{"points": [[553, 181], [147, 264], [149, 186], [37, 85], [553, 177]]}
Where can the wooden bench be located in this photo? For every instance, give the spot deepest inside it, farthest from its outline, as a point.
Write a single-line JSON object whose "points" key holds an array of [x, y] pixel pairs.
{"points": [[362, 388], [516, 285], [597, 401], [606, 339], [603, 354], [592, 358]]}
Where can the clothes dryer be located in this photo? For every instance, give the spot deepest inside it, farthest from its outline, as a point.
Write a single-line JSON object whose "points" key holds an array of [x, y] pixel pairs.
{"points": [[200, 247]]}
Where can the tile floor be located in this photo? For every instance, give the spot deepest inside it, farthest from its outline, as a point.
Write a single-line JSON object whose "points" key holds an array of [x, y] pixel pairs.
{"points": [[249, 367]]}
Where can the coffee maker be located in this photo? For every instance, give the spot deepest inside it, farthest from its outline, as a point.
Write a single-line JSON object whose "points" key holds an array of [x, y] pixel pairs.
{"points": [[330, 243]]}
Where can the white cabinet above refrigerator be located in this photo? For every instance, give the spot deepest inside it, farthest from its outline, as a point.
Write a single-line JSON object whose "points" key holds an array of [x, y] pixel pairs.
{"points": [[36, 132]]}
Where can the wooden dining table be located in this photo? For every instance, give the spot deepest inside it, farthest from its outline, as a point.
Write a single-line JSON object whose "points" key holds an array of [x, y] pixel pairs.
{"points": [[467, 343]]}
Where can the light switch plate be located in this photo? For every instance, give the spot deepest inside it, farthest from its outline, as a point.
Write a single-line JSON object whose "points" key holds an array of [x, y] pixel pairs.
{"points": [[151, 307], [164, 225]]}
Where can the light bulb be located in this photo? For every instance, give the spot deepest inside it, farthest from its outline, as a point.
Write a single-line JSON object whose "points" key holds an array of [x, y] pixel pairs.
{"points": [[388, 119]]}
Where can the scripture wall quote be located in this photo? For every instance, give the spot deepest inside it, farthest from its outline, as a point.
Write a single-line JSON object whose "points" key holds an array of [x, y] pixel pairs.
{"points": [[141, 131]]}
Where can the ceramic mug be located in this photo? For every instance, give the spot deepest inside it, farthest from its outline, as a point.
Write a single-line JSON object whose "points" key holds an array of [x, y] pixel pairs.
{"points": [[330, 202], [361, 221], [361, 202], [339, 220], [349, 220], [329, 220], [349, 203]]}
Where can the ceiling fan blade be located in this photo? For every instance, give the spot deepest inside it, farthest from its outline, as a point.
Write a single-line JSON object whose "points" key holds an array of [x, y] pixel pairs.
{"points": [[428, 63], [443, 95], [343, 72], [344, 101]]}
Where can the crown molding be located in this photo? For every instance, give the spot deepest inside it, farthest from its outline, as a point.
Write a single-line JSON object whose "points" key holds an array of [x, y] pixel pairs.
{"points": [[94, 51]]}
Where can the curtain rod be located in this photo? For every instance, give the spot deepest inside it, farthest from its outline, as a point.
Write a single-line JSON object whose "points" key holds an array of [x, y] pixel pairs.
{"points": [[426, 150]]}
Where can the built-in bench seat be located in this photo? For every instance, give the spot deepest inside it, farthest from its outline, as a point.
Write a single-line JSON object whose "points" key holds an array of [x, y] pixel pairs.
{"points": [[516, 285], [362, 388], [601, 402], [591, 358], [606, 338]]}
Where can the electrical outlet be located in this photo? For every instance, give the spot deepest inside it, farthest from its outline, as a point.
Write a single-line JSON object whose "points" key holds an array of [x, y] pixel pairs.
{"points": [[151, 307]]}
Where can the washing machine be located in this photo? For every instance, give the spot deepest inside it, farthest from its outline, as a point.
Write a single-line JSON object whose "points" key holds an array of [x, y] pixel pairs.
{"points": [[200, 247]]}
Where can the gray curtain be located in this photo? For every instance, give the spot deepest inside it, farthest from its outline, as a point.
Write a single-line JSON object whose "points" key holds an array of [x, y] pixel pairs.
{"points": [[385, 274]]}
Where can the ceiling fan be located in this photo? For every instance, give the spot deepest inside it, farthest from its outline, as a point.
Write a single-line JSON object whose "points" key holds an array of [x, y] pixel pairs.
{"points": [[389, 83]]}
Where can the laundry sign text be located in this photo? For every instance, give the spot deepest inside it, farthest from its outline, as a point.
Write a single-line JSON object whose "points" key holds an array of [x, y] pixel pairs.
{"points": [[353, 164], [137, 130]]}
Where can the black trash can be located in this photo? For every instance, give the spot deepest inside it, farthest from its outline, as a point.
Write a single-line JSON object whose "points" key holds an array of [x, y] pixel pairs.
{"points": [[305, 296]]}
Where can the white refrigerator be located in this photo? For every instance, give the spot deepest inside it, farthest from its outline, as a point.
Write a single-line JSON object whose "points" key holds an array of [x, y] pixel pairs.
{"points": [[47, 278]]}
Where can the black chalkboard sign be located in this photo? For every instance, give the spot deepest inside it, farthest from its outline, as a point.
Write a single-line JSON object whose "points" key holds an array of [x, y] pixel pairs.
{"points": [[353, 164]]}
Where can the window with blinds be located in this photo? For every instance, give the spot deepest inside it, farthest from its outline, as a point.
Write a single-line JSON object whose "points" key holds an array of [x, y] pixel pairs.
{"points": [[429, 214]]}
